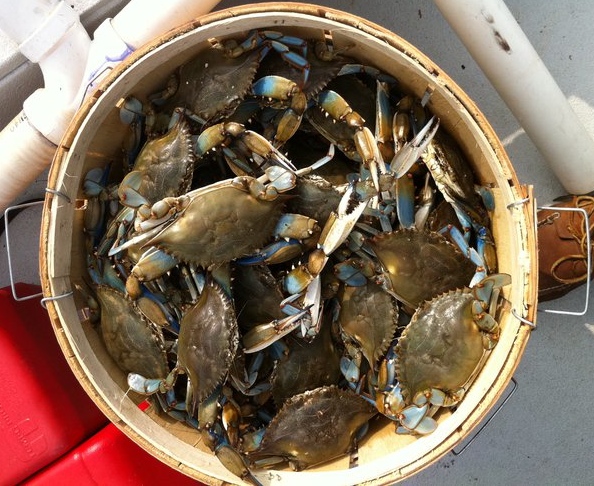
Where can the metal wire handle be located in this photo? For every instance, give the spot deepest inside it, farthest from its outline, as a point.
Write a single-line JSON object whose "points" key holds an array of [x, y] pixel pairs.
{"points": [[488, 421], [8, 250], [7, 212], [523, 201], [588, 261]]}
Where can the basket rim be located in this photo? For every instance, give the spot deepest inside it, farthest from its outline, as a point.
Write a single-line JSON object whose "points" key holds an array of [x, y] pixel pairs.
{"points": [[50, 284]]}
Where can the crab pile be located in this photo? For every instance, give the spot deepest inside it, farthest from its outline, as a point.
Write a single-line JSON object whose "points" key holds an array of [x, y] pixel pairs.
{"points": [[291, 248]]}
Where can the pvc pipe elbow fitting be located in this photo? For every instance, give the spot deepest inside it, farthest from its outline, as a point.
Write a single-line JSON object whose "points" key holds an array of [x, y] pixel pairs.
{"points": [[60, 45]]}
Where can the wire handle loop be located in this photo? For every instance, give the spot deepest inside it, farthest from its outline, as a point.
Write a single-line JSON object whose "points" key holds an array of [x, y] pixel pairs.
{"points": [[7, 212], [588, 261], [488, 421]]}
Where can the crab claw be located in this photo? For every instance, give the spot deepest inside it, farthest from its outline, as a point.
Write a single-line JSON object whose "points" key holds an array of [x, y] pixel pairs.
{"points": [[340, 223], [152, 264], [483, 291], [414, 419], [350, 365], [264, 335], [368, 150], [311, 303], [128, 190], [218, 439], [486, 294], [411, 151], [144, 386], [235, 463], [297, 280], [352, 272], [136, 240], [278, 252]]}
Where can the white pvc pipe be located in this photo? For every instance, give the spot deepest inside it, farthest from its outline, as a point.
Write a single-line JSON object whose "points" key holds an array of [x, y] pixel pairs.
{"points": [[501, 49], [60, 46], [49, 32], [143, 20], [139, 22], [21, 19], [26, 153]]}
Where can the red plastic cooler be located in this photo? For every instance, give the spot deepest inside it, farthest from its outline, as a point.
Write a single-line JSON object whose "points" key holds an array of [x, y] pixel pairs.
{"points": [[50, 430], [44, 411]]}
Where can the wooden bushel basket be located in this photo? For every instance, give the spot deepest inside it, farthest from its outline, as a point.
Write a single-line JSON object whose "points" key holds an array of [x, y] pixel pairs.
{"points": [[95, 137]]}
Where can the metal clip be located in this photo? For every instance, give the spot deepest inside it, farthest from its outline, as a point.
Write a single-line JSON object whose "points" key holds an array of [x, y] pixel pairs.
{"points": [[588, 261], [54, 297], [523, 320], [55, 192], [488, 421], [519, 202], [8, 252]]}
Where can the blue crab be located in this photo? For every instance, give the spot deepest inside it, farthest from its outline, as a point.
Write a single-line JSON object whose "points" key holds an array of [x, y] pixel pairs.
{"points": [[471, 202], [132, 331], [334, 419], [199, 227], [206, 349], [453, 176], [207, 342], [368, 319], [163, 168], [265, 41], [442, 349], [304, 366], [210, 86], [421, 264], [134, 343]]}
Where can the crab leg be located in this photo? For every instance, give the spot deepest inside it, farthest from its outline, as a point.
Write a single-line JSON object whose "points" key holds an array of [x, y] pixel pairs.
{"points": [[383, 122], [405, 201], [338, 108], [365, 69], [222, 134], [342, 221], [474, 256], [335, 232], [415, 419], [284, 91], [277, 41], [305, 279]]}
